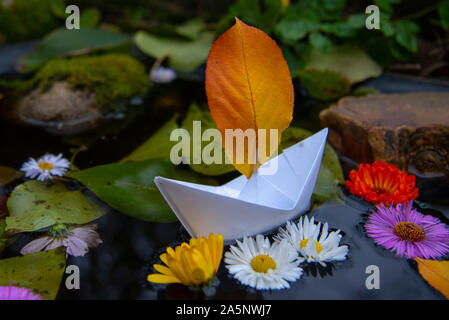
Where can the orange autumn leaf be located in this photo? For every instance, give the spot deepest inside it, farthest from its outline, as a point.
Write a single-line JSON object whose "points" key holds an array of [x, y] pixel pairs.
{"points": [[248, 86], [436, 273]]}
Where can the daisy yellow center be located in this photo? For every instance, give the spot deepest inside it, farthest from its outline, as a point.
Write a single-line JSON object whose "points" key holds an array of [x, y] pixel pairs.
{"points": [[262, 263], [409, 231], [45, 165], [303, 243], [318, 247]]}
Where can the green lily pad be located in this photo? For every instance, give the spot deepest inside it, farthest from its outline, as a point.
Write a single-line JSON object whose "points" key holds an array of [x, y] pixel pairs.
{"points": [[34, 205], [184, 55], [8, 175], [158, 146], [129, 187], [41, 272], [64, 42], [197, 114], [349, 61], [331, 173]]}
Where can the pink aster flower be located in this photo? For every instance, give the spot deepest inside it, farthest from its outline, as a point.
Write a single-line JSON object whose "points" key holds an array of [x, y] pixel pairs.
{"points": [[408, 232], [76, 240], [17, 293]]}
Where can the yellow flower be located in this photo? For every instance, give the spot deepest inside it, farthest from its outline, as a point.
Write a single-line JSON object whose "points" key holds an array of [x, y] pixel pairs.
{"points": [[193, 264]]}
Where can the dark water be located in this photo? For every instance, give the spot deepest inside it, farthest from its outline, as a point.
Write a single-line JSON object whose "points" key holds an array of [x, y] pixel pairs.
{"points": [[118, 268]]}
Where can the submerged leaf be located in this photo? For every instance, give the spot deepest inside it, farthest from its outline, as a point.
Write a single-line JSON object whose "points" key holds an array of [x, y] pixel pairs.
{"points": [[34, 205], [41, 272], [129, 187], [248, 86], [436, 273], [184, 55]]}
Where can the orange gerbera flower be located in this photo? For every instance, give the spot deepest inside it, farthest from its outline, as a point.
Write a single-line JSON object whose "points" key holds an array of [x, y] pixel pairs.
{"points": [[382, 183]]}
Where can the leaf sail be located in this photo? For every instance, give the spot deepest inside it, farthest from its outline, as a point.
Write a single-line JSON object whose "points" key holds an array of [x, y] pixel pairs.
{"points": [[248, 86]]}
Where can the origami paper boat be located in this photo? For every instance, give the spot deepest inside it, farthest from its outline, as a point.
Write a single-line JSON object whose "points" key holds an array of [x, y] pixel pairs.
{"points": [[245, 207]]}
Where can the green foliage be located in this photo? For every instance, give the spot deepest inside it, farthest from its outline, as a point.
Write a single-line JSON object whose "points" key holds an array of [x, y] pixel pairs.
{"points": [[34, 205], [129, 187], [26, 19], [64, 42], [322, 24], [158, 146], [443, 11], [41, 272], [201, 114], [324, 84], [113, 77], [183, 54]]}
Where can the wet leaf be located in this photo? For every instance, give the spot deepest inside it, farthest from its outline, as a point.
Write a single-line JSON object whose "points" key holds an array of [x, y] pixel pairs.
{"points": [[184, 55], [197, 114], [245, 92], [34, 205], [331, 173], [8, 175], [436, 273], [64, 42], [89, 18], [324, 85], [129, 187], [41, 272], [158, 146], [349, 61]]}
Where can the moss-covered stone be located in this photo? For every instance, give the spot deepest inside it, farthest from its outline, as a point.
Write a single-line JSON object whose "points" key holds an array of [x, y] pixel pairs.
{"points": [[26, 19], [112, 77]]}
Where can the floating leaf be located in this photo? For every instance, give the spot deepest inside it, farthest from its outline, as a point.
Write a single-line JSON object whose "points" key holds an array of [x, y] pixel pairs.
{"points": [[34, 205], [349, 61], [324, 85], [436, 273], [184, 55], [248, 86], [89, 18], [214, 169], [64, 42], [41, 272], [158, 146], [129, 187], [8, 175]]}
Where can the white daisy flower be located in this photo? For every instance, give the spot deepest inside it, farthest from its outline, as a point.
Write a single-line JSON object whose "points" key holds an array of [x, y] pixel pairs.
{"points": [[303, 236], [258, 264], [45, 167], [162, 75]]}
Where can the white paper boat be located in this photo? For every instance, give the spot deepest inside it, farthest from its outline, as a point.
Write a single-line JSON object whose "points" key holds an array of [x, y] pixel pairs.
{"points": [[245, 207]]}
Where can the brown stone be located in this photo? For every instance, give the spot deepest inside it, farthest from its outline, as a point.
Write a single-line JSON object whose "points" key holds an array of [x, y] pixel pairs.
{"points": [[60, 109], [410, 130]]}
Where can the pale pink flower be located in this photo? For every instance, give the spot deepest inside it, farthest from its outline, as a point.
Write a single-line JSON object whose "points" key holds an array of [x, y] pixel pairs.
{"points": [[75, 240], [17, 293]]}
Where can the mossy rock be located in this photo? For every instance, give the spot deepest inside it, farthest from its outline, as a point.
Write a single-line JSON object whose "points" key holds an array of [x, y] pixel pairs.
{"points": [[26, 19], [112, 77], [71, 96]]}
